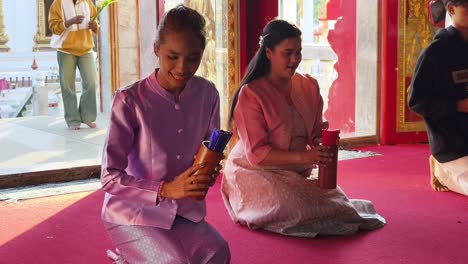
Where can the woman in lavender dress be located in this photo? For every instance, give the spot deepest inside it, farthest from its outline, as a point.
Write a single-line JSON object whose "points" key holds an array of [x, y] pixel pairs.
{"points": [[267, 180], [156, 127]]}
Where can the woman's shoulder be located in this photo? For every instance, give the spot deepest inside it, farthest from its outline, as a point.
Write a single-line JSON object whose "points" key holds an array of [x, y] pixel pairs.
{"points": [[202, 81], [130, 92], [132, 88], [257, 86], [305, 81], [259, 91], [304, 77], [203, 84]]}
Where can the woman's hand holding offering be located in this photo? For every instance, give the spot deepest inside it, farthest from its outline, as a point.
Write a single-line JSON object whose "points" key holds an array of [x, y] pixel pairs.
{"points": [[318, 154], [187, 185]]}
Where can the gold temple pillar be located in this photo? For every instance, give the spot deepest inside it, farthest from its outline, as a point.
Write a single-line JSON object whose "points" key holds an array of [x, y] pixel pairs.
{"points": [[43, 34], [233, 61], [414, 34], [3, 35]]}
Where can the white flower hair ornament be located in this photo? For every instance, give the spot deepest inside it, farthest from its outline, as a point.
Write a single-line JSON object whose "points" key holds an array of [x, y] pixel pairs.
{"points": [[262, 39]]}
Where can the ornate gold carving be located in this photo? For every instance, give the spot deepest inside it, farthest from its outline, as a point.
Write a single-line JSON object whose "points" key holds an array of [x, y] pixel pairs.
{"points": [[43, 35], [414, 34], [233, 54], [220, 58], [3, 36], [207, 66]]}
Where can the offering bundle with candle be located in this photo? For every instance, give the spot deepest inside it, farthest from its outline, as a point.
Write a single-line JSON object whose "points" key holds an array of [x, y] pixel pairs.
{"points": [[210, 154]]}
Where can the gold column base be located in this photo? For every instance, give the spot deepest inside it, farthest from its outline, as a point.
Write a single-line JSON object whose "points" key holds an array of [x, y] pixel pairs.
{"points": [[4, 48], [3, 41]]}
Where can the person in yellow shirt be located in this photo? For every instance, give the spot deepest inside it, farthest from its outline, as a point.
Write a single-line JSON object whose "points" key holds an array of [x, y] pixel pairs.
{"points": [[70, 22]]}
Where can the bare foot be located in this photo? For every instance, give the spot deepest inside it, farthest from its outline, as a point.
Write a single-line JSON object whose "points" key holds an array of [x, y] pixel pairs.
{"points": [[74, 127], [91, 124], [437, 186], [435, 183]]}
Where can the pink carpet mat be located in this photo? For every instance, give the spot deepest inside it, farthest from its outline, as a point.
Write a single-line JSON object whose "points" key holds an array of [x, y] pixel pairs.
{"points": [[423, 226]]}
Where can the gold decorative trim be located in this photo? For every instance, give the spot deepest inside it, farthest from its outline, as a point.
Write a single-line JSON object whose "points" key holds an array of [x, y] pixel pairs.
{"points": [[41, 40], [415, 33], [3, 36], [114, 47], [233, 50]]}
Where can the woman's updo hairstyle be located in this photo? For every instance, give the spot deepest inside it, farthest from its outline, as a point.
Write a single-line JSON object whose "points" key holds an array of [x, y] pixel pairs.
{"points": [[181, 19]]}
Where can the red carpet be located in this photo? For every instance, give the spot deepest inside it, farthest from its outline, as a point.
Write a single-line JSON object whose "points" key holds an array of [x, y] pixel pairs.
{"points": [[423, 226]]}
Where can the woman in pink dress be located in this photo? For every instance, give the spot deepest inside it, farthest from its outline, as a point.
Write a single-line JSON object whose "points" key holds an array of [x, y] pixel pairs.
{"points": [[267, 181], [156, 127]]}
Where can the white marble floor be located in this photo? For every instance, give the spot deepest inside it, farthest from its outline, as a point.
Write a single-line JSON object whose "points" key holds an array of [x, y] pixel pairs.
{"points": [[40, 143]]}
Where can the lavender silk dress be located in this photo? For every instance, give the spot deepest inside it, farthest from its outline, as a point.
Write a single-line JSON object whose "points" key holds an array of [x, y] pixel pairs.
{"points": [[285, 200], [151, 139]]}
